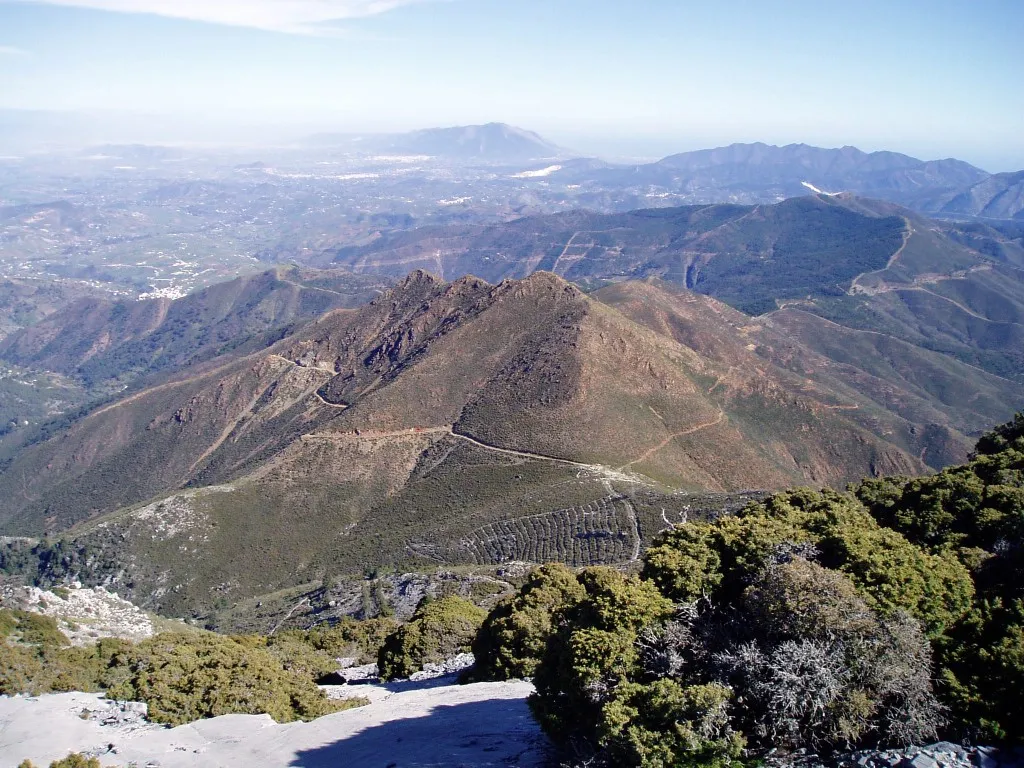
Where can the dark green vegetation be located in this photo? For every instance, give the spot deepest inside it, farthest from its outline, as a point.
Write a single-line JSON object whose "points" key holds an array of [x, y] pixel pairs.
{"points": [[187, 677], [513, 637], [975, 513], [889, 615], [437, 631], [468, 424]]}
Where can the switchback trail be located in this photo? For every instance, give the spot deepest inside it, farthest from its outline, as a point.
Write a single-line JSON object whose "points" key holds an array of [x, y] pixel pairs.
{"points": [[855, 287], [651, 451], [448, 429]]}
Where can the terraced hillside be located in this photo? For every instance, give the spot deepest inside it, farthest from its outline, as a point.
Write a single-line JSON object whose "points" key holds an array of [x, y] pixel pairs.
{"points": [[462, 422]]}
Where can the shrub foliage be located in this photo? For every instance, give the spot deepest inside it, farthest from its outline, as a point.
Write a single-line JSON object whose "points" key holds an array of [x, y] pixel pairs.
{"points": [[438, 630], [889, 615], [183, 677]]}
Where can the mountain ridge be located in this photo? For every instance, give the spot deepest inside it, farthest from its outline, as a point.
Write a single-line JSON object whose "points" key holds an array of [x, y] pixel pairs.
{"points": [[490, 142], [444, 422]]}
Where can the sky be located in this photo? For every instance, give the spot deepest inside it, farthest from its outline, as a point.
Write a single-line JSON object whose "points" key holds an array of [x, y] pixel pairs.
{"points": [[613, 77]]}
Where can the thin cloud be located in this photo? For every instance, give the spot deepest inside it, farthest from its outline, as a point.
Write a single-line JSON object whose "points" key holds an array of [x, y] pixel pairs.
{"points": [[10, 50], [293, 16]]}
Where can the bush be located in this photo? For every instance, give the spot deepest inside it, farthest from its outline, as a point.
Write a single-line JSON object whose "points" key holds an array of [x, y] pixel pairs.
{"points": [[516, 632], [438, 630], [361, 640], [819, 668], [585, 680], [719, 559], [74, 760], [975, 513], [183, 678], [982, 672], [32, 629]]}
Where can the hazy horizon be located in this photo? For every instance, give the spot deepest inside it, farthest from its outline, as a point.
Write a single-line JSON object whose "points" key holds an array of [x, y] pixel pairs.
{"points": [[932, 80]]}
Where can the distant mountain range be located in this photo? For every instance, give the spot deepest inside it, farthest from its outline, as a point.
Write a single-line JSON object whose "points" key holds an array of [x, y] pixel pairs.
{"points": [[493, 142], [738, 173], [760, 173]]}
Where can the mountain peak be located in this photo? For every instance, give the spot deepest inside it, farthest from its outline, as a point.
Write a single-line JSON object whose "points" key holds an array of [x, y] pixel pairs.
{"points": [[418, 277]]}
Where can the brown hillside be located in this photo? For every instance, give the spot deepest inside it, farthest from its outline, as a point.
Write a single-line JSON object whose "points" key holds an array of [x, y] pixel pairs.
{"points": [[446, 423], [925, 402], [532, 366]]}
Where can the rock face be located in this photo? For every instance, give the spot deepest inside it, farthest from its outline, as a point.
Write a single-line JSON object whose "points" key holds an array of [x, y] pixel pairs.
{"points": [[84, 614], [941, 755], [479, 725]]}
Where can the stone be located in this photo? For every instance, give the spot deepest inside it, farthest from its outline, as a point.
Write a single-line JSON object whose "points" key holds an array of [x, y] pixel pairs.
{"points": [[920, 760]]}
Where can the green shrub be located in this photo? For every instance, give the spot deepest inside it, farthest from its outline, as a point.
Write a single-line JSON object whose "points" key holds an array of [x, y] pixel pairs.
{"points": [[592, 691], [21, 671], [718, 559], [76, 760], [516, 632], [359, 639], [438, 630], [184, 678], [982, 672], [32, 629], [974, 512]]}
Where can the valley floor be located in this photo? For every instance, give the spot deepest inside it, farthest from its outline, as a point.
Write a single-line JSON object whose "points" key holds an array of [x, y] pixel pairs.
{"points": [[406, 725]]}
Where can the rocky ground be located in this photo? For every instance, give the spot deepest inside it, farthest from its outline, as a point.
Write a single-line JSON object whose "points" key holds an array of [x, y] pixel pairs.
{"points": [[941, 755], [84, 614], [410, 724]]}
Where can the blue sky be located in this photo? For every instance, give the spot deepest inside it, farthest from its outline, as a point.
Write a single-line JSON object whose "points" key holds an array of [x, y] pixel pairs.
{"points": [[933, 79]]}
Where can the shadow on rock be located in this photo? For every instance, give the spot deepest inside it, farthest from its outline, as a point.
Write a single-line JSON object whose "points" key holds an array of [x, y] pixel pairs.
{"points": [[478, 734]]}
